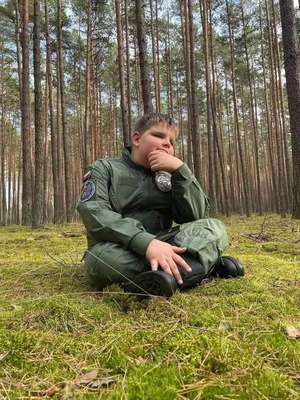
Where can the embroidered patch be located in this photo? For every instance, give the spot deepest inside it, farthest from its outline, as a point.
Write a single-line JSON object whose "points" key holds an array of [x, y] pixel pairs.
{"points": [[88, 190], [86, 176]]}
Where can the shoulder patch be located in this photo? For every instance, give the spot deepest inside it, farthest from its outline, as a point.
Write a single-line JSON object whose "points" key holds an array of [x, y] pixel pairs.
{"points": [[88, 190], [86, 176]]}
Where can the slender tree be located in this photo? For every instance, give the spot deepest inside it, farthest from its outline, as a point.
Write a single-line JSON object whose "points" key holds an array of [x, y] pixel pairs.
{"points": [[124, 109], [87, 112], [38, 206], [186, 51], [239, 152], [292, 71], [3, 145], [253, 119], [194, 102], [128, 73], [66, 142], [154, 59], [58, 211], [144, 67], [25, 118]]}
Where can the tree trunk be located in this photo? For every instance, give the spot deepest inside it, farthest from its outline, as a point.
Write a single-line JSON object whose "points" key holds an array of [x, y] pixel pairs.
{"points": [[46, 190], [138, 80], [288, 172], [194, 103], [124, 110], [66, 144], [292, 71], [169, 72], [186, 50], [25, 124], [154, 61], [128, 68], [18, 45], [3, 145], [207, 62], [87, 111], [57, 217], [276, 125], [253, 120], [142, 44], [37, 211], [157, 54], [236, 123], [268, 119]]}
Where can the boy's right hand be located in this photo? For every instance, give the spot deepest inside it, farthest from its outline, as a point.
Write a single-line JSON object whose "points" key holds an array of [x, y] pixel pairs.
{"points": [[166, 256]]}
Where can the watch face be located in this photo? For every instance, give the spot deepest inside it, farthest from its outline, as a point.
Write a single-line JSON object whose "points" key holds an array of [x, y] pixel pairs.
{"points": [[163, 181]]}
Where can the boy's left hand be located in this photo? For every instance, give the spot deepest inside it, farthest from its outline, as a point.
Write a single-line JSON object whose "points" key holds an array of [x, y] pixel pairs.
{"points": [[160, 160]]}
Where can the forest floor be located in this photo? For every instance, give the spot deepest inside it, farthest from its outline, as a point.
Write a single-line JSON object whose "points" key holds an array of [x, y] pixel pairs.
{"points": [[226, 339]]}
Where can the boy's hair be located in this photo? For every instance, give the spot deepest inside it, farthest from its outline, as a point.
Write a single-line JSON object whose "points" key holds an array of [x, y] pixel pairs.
{"points": [[150, 119]]}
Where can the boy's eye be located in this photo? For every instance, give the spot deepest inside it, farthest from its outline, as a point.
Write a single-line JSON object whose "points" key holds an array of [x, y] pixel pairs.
{"points": [[162, 136]]}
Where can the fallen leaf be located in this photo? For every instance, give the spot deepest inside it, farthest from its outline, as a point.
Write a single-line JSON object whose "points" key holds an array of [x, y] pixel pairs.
{"points": [[292, 332], [91, 380], [49, 392], [102, 382], [86, 379]]}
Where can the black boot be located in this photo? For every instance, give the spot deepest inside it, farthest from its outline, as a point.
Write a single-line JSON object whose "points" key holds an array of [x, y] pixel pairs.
{"points": [[152, 283], [228, 267], [193, 278]]}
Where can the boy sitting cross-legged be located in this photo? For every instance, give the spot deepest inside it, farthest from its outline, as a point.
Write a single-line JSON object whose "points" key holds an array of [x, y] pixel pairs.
{"points": [[129, 206]]}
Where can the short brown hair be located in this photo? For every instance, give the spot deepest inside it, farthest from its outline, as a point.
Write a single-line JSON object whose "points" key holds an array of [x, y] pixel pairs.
{"points": [[150, 119]]}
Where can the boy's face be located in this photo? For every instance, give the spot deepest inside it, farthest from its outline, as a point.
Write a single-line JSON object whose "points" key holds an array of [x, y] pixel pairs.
{"points": [[161, 136]]}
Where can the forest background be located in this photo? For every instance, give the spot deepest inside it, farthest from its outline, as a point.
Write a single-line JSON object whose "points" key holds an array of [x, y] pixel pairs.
{"points": [[74, 76]]}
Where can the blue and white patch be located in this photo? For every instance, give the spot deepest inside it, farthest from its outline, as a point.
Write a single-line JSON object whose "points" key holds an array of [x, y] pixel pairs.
{"points": [[88, 190]]}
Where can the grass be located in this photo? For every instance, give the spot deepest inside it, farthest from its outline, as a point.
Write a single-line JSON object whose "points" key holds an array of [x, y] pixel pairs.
{"points": [[224, 340]]}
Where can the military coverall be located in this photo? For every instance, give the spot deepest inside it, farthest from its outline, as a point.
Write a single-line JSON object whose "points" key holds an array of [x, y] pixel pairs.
{"points": [[123, 210]]}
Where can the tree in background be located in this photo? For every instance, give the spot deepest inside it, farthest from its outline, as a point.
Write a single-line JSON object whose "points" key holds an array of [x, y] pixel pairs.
{"points": [[26, 130], [143, 62], [292, 70], [38, 206]]}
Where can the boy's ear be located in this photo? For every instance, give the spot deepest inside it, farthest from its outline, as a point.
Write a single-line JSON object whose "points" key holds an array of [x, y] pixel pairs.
{"points": [[135, 138]]}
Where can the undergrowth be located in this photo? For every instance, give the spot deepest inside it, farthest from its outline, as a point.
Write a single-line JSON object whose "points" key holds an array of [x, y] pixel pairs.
{"points": [[226, 339]]}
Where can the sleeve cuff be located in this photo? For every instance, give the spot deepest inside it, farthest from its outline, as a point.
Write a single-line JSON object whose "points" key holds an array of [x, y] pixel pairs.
{"points": [[182, 173], [140, 242]]}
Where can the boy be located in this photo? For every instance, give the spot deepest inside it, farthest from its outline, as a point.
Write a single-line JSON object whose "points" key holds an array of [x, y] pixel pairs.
{"points": [[128, 208]]}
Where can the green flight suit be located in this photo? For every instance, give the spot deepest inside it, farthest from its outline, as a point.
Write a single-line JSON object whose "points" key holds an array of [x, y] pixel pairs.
{"points": [[123, 210]]}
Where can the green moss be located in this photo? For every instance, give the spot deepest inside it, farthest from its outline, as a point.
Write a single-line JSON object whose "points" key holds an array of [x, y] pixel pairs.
{"points": [[224, 339]]}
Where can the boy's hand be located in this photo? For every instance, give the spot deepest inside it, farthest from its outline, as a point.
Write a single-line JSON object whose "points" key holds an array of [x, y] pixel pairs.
{"points": [[160, 160], [164, 255]]}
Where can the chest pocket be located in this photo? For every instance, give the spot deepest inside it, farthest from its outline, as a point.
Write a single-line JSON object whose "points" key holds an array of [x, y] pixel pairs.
{"points": [[125, 194]]}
